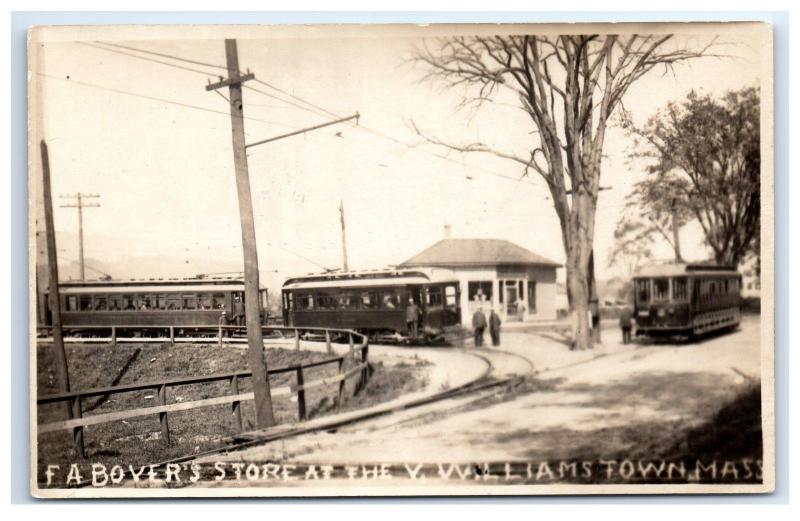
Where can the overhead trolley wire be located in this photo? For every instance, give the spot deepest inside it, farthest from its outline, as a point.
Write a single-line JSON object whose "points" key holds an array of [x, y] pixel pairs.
{"points": [[311, 107], [161, 100], [164, 55]]}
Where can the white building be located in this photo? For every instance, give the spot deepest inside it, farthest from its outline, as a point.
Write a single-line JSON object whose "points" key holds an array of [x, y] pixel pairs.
{"points": [[519, 284]]}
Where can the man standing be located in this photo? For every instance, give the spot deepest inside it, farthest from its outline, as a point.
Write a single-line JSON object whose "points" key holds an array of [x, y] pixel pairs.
{"points": [[494, 327], [625, 324], [479, 324], [238, 310], [412, 318]]}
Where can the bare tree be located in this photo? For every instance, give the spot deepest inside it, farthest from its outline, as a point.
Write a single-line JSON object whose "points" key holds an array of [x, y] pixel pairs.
{"points": [[570, 86]]}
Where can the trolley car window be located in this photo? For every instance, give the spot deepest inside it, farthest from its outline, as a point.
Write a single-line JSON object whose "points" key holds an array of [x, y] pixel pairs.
{"points": [[660, 289], [218, 301], [85, 303], [173, 302], [114, 303], [305, 302], [127, 303], [679, 289], [390, 300], [189, 302], [100, 303], [326, 301], [204, 301], [144, 303], [433, 297], [450, 294], [369, 300], [347, 301], [72, 303], [643, 291]]}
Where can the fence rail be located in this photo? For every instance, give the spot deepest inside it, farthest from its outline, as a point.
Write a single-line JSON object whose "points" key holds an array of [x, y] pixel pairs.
{"points": [[77, 422]]}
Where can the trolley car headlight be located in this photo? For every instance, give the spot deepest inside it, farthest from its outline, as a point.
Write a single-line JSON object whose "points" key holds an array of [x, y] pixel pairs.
{"points": [[671, 311], [661, 312]]}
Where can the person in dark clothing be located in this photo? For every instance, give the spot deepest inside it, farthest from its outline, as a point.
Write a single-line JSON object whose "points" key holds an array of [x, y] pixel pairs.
{"points": [[412, 318], [494, 327], [238, 311], [626, 324], [479, 324]]}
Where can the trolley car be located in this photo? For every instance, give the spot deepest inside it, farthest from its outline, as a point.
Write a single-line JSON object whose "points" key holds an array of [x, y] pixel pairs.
{"points": [[145, 303], [374, 303], [686, 299]]}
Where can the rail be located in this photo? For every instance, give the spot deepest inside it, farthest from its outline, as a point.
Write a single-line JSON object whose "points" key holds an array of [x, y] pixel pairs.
{"points": [[78, 422]]}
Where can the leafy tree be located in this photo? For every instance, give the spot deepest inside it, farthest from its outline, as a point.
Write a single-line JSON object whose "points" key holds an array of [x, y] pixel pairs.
{"points": [[705, 161], [569, 86]]}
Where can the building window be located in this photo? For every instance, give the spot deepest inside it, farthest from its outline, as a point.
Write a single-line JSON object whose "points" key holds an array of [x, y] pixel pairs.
{"points": [[480, 290], [532, 296], [451, 296]]}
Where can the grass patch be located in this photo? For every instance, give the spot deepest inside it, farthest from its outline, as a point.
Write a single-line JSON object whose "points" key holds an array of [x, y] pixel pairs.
{"points": [[138, 441]]}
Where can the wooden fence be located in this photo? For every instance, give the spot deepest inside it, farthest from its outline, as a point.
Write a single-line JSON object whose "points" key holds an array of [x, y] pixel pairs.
{"points": [[361, 370]]}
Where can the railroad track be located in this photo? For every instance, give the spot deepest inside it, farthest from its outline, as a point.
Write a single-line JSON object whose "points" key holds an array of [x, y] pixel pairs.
{"points": [[494, 376]]}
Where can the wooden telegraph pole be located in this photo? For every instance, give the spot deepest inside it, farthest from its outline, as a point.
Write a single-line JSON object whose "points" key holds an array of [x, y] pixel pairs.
{"points": [[258, 365], [54, 302], [80, 204], [255, 342]]}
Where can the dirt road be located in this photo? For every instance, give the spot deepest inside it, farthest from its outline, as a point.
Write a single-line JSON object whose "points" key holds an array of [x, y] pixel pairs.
{"points": [[605, 400]]}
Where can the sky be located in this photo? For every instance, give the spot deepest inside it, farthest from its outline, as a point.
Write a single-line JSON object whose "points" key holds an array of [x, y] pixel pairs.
{"points": [[155, 145]]}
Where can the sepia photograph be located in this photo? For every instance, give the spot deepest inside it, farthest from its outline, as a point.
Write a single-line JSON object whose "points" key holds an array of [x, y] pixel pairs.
{"points": [[401, 260]]}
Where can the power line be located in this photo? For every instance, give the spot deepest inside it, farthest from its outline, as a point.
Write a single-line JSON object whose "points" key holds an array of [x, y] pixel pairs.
{"points": [[164, 55], [145, 58], [161, 100], [315, 109], [377, 133]]}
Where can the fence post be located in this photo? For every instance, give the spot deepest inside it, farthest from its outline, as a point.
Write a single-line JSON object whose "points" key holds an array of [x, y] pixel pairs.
{"points": [[172, 334], [301, 394], [77, 432], [364, 377], [237, 405], [351, 343], [341, 384], [220, 335], [162, 398], [113, 336], [296, 339], [328, 341]]}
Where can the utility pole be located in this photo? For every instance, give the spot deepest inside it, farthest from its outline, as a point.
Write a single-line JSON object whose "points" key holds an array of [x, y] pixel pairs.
{"points": [[54, 301], [676, 240], [258, 365], [80, 204], [265, 416], [344, 237]]}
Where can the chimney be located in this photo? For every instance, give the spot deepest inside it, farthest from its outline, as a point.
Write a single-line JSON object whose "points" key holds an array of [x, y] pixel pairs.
{"points": [[448, 231]]}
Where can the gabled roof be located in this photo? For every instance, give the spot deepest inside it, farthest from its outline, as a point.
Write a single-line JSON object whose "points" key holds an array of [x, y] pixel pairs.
{"points": [[477, 252]]}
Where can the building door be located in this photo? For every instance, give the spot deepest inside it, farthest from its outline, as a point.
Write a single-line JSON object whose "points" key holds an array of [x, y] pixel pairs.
{"points": [[511, 300]]}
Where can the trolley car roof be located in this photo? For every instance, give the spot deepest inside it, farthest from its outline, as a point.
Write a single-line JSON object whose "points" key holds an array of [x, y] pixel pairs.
{"points": [[679, 269], [72, 290], [361, 279]]}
